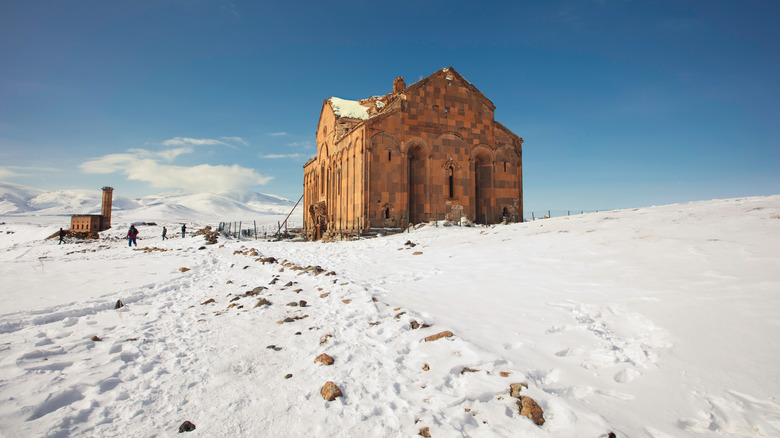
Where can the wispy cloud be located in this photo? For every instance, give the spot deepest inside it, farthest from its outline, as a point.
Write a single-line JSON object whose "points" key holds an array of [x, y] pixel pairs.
{"points": [[301, 144], [151, 167], [236, 140], [277, 134], [181, 141], [8, 172], [275, 156]]}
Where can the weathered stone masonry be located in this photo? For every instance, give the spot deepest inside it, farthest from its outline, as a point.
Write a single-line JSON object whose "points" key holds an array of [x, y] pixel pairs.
{"points": [[428, 151]]}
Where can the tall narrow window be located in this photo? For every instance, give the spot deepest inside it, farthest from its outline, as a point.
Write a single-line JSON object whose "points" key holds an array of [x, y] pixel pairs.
{"points": [[387, 213], [451, 176], [504, 166], [389, 155]]}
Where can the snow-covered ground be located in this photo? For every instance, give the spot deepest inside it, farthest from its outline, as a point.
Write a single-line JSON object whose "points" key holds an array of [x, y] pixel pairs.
{"points": [[654, 322]]}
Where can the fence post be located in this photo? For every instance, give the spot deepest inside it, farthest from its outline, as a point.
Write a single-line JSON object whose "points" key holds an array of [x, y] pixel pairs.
{"points": [[533, 218], [549, 215], [254, 224]]}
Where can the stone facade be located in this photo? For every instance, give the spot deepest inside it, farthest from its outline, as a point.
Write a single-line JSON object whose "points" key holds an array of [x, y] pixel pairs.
{"points": [[430, 151], [95, 222]]}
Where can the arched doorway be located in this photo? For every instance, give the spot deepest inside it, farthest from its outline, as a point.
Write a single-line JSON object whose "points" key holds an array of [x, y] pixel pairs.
{"points": [[483, 169], [417, 195]]}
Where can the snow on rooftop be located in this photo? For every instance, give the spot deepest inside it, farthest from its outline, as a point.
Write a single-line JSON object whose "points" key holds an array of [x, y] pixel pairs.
{"points": [[348, 108]]}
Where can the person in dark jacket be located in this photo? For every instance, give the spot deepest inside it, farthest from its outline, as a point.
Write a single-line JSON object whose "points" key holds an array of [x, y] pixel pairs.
{"points": [[132, 233], [62, 236], [165, 231], [183, 229]]}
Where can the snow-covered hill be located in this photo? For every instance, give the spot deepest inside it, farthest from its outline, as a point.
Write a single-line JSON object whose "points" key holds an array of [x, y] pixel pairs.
{"points": [[653, 322], [21, 201]]}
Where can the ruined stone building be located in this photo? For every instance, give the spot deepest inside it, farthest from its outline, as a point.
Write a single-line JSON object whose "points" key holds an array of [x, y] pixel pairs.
{"points": [[95, 222], [429, 151]]}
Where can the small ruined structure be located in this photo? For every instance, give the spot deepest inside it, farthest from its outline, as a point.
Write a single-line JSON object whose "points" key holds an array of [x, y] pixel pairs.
{"points": [[89, 223], [429, 151]]}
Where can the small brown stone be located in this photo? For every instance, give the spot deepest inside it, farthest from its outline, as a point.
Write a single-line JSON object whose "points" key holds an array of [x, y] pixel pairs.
{"points": [[425, 431], [324, 295], [183, 269], [302, 303], [262, 302], [347, 301], [529, 408], [415, 325], [417, 253], [324, 339], [288, 376], [468, 370], [426, 367], [504, 373], [330, 391], [324, 359], [210, 300], [96, 339], [445, 334], [516, 388]]}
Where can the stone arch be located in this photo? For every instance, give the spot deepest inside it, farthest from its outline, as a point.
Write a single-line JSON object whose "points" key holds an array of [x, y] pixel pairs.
{"points": [[418, 159], [415, 142], [483, 170]]}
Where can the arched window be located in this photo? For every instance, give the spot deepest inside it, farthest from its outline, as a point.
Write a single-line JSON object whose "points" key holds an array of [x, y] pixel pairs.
{"points": [[387, 213], [451, 177]]}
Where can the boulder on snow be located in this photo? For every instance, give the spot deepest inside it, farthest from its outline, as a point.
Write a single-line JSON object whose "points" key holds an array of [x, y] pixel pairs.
{"points": [[330, 391], [324, 359], [119, 304], [515, 388], [187, 426], [529, 408], [425, 431], [183, 269], [445, 334], [262, 302]]}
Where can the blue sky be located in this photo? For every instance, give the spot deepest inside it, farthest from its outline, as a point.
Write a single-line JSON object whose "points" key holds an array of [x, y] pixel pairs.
{"points": [[621, 103]]}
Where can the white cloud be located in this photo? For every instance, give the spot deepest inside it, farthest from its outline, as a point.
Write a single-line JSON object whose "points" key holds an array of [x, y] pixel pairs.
{"points": [[150, 167], [182, 141], [236, 139], [7, 173], [303, 144], [272, 156], [277, 134]]}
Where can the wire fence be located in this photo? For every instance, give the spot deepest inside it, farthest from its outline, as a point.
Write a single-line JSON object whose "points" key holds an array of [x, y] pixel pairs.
{"points": [[253, 230], [546, 214]]}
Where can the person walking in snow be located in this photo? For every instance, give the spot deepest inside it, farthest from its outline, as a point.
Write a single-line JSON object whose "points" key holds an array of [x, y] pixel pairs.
{"points": [[132, 233], [62, 236], [183, 229], [165, 231]]}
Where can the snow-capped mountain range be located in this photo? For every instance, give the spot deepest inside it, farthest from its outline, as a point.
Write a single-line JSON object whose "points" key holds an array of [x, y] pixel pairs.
{"points": [[19, 200]]}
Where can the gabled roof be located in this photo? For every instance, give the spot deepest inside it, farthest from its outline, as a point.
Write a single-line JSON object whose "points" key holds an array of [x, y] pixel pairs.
{"points": [[446, 71]]}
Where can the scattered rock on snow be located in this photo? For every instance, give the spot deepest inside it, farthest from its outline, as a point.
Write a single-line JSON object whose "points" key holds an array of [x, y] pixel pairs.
{"points": [[467, 370], [288, 376], [417, 253], [347, 301], [209, 301], [324, 359], [186, 427], [504, 373], [183, 269], [415, 325], [445, 334], [292, 304], [516, 388], [96, 338], [425, 431], [529, 408], [302, 303], [262, 302], [426, 367], [330, 391], [119, 304]]}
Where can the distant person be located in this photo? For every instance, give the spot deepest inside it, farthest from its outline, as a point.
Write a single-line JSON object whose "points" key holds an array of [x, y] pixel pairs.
{"points": [[183, 229], [62, 236], [165, 231], [132, 234]]}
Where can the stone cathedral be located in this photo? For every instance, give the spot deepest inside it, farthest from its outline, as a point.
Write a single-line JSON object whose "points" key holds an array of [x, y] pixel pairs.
{"points": [[429, 151]]}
